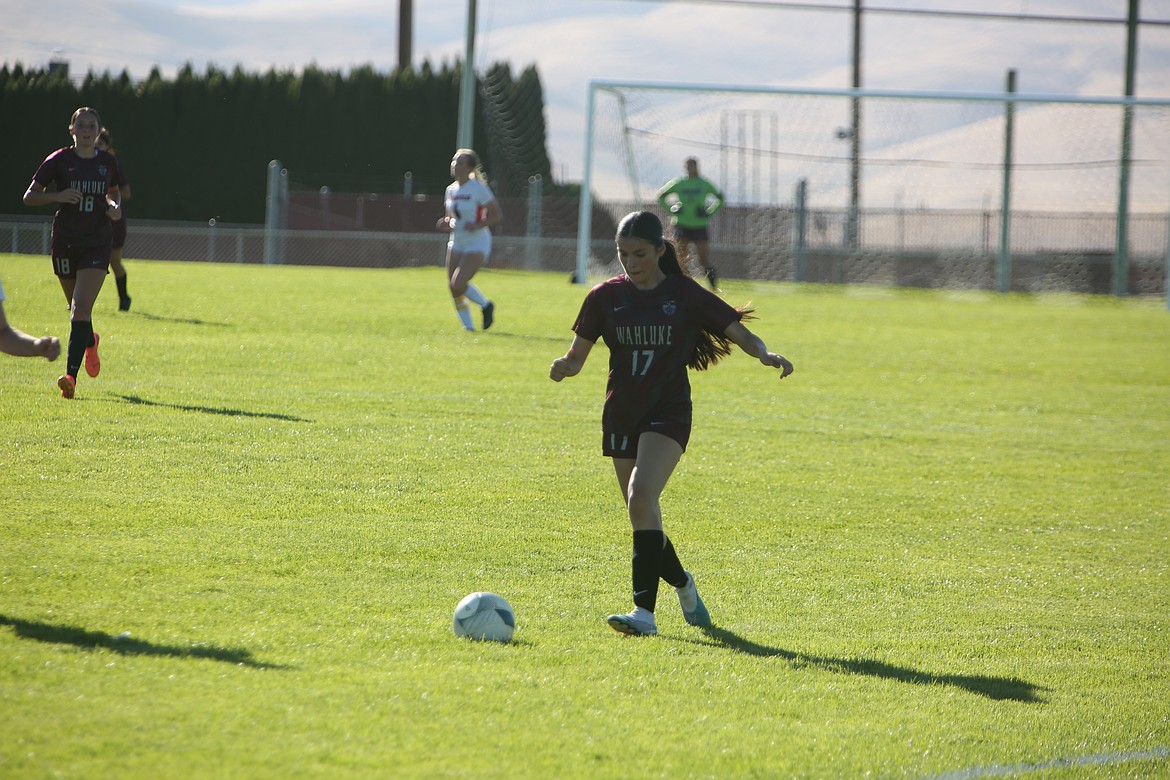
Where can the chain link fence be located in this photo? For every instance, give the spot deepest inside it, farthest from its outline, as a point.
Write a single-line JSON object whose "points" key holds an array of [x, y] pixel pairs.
{"points": [[955, 249]]}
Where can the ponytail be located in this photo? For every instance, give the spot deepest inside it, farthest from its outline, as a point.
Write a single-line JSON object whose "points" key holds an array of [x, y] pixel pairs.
{"points": [[477, 171], [713, 347], [669, 260], [104, 137]]}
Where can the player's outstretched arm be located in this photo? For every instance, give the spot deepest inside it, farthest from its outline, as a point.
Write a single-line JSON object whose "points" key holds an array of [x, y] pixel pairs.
{"points": [[572, 362], [754, 346], [20, 344]]}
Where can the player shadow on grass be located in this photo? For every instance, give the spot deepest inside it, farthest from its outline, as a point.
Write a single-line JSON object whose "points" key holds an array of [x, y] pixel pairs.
{"points": [[992, 687], [135, 399], [557, 339], [126, 645], [180, 320]]}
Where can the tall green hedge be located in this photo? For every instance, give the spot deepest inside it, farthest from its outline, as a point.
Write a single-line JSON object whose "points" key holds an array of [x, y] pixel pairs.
{"points": [[197, 146]]}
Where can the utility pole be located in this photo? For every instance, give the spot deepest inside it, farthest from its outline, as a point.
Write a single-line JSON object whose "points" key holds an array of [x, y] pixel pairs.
{"points": [[405, 33]]}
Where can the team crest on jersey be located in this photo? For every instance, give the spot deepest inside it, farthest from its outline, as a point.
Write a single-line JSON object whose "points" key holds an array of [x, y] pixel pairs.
{"points": [[103, 171], [668, 308]]}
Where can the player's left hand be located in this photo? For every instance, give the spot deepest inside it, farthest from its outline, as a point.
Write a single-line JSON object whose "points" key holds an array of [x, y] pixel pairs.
{"points": [[778, 361], [563, 367], [48, 347]]}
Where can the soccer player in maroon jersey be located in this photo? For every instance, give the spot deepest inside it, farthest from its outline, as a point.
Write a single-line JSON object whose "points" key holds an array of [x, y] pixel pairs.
{"points": [[657, 323], [86, 193], [105, 142]]}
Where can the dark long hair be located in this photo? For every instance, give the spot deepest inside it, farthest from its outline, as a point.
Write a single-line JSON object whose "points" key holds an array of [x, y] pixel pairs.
{"points": [[711, 346], [105, 137]]}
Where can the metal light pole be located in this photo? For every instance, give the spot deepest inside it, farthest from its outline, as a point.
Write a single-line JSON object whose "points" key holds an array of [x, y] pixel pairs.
{"points": [[855, 137], [1121, 255], [463, 137]]}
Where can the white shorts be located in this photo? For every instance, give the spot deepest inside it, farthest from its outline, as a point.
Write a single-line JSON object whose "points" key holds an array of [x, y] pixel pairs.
{"points": [[472, 241]]}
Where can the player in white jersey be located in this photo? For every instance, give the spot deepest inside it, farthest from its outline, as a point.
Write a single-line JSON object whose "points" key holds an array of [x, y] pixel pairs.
{"points": [[471, 212]]}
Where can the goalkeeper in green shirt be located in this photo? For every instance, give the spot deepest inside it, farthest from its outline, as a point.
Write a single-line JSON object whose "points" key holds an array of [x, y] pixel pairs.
{"points": [[691, 201]]}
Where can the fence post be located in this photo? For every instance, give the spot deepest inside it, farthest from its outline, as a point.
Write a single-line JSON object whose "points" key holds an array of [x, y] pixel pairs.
{"points": [[1121, 254], [211, 240], [323, 203], [535, 218], [801, 229], [275, 215], [1003, 273], [282, 234]]}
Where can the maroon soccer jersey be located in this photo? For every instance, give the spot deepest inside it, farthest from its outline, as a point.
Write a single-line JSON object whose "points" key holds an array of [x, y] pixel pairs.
{"points": [[84, 223], [651, 335]]}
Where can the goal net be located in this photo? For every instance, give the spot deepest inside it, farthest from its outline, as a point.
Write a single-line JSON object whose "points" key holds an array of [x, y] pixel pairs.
{"points": [[919, 189]]}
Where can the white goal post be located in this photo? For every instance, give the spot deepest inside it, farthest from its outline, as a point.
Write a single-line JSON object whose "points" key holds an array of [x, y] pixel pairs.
{"points": [[1040, 186]]}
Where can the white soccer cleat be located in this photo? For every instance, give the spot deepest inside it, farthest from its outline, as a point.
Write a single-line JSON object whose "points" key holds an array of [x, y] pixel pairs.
{"points": [[693, 609], [634, 623]]}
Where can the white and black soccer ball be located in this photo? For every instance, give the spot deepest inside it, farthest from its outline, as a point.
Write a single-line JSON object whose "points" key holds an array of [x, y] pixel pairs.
{"points": [[484, 616]]}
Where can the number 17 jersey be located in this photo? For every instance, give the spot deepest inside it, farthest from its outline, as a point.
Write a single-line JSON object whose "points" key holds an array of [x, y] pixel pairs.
{"points": [[651, 335]]}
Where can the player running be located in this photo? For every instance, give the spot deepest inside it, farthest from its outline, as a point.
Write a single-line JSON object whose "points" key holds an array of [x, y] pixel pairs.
{"points": [[86, 191], [106, 144], [657, 323], [472, 211]]}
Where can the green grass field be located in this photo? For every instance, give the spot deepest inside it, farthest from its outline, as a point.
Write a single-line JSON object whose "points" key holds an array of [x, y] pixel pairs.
{"points": [[940, 549]]}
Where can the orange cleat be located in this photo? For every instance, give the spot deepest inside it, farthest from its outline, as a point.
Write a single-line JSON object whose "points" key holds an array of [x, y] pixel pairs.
{"points": [[67, 384], [93, 364]]}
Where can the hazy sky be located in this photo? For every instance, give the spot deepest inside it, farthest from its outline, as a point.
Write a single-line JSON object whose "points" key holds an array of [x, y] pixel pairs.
{"points": [[573, 41]]}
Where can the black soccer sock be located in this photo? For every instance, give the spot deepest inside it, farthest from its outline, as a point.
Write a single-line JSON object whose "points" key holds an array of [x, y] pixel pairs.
{"points": [[80, 339], [671, 567], [121, 282], [646, 565]]}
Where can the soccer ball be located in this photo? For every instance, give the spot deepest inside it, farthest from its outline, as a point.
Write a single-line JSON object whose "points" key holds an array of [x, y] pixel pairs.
{"points": [[484, 616]]}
